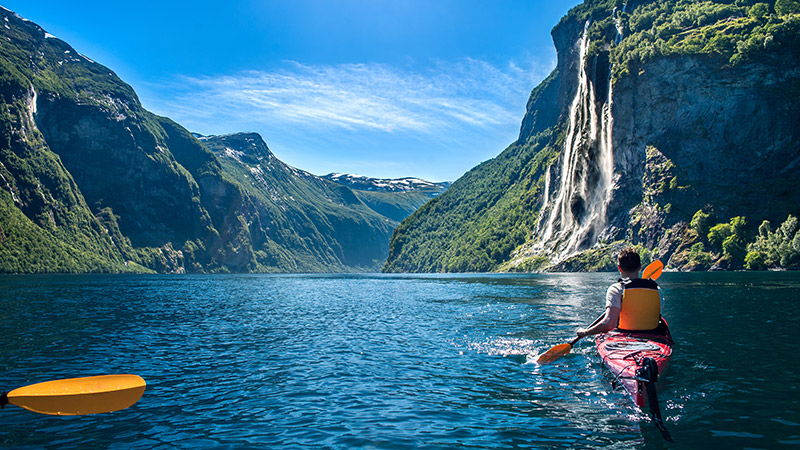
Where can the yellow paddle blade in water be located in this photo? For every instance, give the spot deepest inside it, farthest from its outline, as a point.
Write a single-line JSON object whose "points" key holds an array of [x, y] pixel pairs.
{"points": [[554, 353], [77, 396]]}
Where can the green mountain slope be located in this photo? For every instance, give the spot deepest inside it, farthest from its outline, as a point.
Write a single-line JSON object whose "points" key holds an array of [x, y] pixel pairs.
{"points": [[490, 211], [656, 110], [91, 181], [314, 224], [46, 224]]}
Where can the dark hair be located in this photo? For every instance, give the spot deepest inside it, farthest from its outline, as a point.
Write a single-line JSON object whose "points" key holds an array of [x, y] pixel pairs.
{"points": [[628, 260]]}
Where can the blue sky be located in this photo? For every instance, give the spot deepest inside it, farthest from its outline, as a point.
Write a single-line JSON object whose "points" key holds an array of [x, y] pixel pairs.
{"points": [[423, 88]]}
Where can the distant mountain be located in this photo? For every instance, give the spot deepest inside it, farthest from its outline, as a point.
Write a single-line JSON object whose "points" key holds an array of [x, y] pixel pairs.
{"points": [[364, 183], [393, 198], [90, 181], [320, 223]]}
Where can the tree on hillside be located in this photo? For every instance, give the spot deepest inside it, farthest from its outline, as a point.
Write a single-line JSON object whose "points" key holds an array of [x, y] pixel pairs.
{"points": [[779, 248], [787, 6]]}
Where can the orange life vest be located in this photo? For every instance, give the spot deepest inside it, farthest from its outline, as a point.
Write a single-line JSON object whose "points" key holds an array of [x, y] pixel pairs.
{"points": [[641, 305]]}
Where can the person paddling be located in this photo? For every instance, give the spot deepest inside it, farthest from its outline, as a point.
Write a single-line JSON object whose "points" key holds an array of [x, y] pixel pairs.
{"points": [[632, 303]]}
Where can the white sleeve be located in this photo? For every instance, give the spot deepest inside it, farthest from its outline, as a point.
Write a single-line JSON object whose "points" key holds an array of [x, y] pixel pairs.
{"points": [[614, 296]]}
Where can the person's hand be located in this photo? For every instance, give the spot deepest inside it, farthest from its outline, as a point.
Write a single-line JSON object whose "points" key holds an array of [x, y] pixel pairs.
{"points": [[581, 332]]}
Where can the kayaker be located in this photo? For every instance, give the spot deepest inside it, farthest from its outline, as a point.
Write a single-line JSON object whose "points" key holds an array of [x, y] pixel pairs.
{"points": [[641, 310]]}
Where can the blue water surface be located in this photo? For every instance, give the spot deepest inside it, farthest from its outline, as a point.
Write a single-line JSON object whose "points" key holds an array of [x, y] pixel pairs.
{"points": [[395, 361]]}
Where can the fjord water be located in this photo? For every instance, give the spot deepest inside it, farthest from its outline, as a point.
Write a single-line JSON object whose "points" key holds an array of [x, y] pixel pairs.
{"points": [[395, 361]]}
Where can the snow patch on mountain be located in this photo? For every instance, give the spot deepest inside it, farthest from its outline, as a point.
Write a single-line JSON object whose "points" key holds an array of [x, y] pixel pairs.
{"points": [[365, 183]]}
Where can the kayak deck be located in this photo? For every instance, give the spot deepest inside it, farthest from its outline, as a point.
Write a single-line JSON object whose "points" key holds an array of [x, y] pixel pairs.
{"points": [[624, 352]]}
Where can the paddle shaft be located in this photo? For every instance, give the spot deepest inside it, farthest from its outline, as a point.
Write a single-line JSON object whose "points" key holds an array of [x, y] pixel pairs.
{"points": [[596, 321], [653, 271]]}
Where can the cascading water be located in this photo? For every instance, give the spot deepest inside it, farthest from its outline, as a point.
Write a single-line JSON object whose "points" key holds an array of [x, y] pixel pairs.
{"points": [[575, 218]]}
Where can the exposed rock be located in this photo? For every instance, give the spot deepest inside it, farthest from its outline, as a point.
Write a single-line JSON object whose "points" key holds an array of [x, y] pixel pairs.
{"points": [[91, 181], [690, 125]]}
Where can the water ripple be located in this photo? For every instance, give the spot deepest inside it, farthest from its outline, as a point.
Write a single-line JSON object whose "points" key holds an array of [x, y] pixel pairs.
{"points": [[387, 361]]}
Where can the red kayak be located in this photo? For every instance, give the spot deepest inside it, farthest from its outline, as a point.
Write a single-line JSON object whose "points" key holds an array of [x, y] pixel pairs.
{"points": [[637, 359]]}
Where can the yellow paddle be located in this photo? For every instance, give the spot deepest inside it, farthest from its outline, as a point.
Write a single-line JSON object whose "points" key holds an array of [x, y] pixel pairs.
{"points": [[77, 396], [653, 271]]}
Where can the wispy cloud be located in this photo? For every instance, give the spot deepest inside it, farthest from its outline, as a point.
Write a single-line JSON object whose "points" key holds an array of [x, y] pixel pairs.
{"points": [[443, 97], [434, 120]]}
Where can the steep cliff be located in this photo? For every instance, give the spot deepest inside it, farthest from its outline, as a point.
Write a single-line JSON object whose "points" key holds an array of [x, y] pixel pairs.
{"points": [[298, 222], [91, 181], [45, 222], [487, 213], [656, 110]]}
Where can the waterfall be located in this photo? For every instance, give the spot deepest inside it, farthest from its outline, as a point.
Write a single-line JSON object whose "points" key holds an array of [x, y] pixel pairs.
{"points": [[575, 218], [618, 24]]}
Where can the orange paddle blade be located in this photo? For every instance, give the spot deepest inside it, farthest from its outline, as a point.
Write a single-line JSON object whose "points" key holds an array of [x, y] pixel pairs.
{"points": [[653, 270], [554, 353], [77, 396]]}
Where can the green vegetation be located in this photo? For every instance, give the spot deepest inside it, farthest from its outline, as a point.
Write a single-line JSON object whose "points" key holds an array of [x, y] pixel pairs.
{"points": [[45, 222], [96, 183], [600, 258], [723, 244], [701, 222], [28, 248], [775, 249], [486, 220], [699, 256], [537, 263], [734, 32], [491, 212], [484, 216], [731, 245], [306, 223], [92, 182], [732, 239]]}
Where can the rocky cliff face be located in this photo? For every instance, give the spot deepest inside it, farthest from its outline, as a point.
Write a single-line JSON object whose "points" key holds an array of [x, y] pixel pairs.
{"points": [[124, 163], [654, 111], [730, 140], [46, 223], [689, 132], [91, 181]]}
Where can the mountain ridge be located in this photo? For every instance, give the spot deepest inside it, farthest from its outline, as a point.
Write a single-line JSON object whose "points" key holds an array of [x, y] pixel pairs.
{"points": [[363, 182], [394, 198], [90, 181], [660, 119]]}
